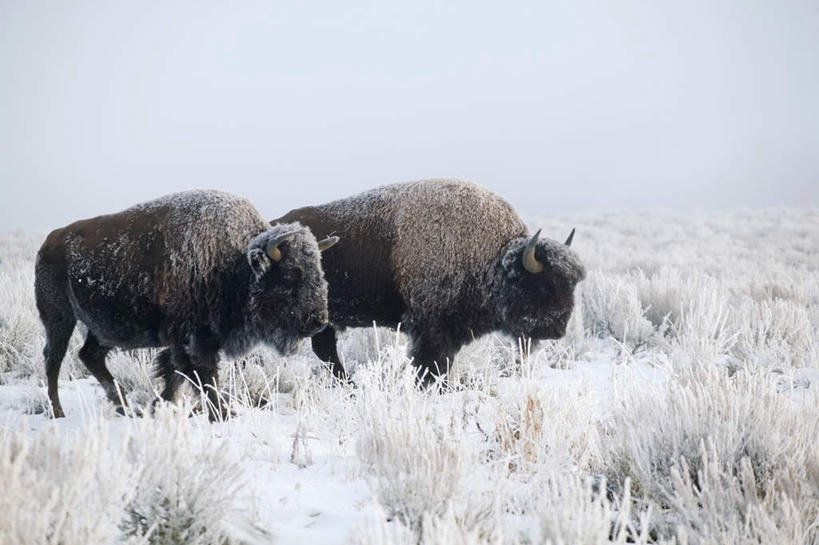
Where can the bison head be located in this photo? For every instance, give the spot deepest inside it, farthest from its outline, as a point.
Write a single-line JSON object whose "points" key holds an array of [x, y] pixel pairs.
{"points": [[535, 291], [288, 293]]}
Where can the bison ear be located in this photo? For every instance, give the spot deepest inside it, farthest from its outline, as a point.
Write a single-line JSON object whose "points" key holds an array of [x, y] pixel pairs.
{"points": [[259, 262]]}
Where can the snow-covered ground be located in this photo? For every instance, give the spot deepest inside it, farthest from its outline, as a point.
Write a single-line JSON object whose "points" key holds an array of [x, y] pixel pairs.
{"points": [[681, 407]]}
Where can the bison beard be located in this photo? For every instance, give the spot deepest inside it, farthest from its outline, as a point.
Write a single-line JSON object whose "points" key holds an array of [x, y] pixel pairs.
{"points": [[447, 260], [196, 272]]}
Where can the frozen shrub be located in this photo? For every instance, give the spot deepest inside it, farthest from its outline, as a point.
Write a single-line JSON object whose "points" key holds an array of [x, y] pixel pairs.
{"points": [[380, 531], [576, 339], [33, 400], [61, 489], [323, 408], [559, 354], [702, 337], [21, 339], [774, 334], [254, 379], [21, 333], [481, 363], [133, 371], [575, 511], [18, 246], [452, 528], [562, 353], [368, 345], [188, 491], [447, 529], [544, 427], [417, 464], [772, 280], [613, 309], [743, 417], [518, 433], [725, 503], [666, 293]]}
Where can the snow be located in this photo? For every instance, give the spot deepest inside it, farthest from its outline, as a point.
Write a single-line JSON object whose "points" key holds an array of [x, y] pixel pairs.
{"points": [[697, 343], [322, 501]]}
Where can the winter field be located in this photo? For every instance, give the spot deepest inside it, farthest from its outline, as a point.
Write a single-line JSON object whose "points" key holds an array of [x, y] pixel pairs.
{"points": [[681, 407]]}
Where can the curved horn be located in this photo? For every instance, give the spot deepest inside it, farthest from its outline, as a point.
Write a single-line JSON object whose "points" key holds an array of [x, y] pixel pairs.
{"points": [[569, 240], [530, 262], [272, 249], [326, 243]]}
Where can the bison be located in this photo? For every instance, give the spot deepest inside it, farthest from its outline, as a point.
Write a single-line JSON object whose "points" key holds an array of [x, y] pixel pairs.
{"points": [[196, 272], [446, 259]]}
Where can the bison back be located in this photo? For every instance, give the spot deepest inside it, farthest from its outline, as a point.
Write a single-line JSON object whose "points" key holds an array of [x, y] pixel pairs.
{"points": [[421, 247], [136, 275]]}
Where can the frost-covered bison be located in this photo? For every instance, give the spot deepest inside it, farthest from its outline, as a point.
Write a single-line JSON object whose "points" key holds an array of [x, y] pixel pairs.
{"points": [[446, 259], [197, 272]]}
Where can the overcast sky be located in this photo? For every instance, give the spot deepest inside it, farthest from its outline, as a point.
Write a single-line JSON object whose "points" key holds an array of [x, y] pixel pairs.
{"points": [[558, 106]]}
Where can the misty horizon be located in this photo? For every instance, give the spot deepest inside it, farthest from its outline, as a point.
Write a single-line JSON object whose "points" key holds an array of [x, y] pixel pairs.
{"points": [[559, 108]]}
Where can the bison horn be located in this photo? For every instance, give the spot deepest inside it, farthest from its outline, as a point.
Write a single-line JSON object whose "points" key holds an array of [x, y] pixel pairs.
{"points": [[569, 240], [326, 243], [272, 248], [530, 262]]}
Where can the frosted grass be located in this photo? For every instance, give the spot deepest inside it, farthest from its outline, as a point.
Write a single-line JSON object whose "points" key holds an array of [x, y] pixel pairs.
{"points": [[681, 407]]}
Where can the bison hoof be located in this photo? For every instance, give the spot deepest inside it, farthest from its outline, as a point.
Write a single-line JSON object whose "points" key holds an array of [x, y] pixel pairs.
{"points": [[128, 411], [342, 382], [432, 383]]}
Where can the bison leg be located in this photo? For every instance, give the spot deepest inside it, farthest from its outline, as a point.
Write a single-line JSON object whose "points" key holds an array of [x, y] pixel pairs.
{"points": [[170, 364], [174, 364], [58, 334], [431, 359], [93, 354], [204, 369], [58, 319], [324, 346]]}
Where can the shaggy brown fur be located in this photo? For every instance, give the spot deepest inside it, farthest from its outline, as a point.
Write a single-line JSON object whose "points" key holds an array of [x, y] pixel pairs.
{"points": [[444, 259], [188, 271]]}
